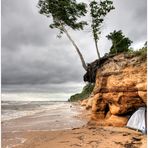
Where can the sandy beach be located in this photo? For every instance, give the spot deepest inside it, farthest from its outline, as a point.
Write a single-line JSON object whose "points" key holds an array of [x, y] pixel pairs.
{"points": [[36, 131], [54, 116], [85, 137]]}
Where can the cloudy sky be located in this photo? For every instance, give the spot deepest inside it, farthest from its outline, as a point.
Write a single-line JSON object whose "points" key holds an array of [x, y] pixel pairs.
{"points": [[32, 54]]}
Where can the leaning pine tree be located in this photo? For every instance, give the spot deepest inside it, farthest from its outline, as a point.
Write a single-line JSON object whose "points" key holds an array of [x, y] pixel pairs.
{"points": [[98, 11], [65, 13]]}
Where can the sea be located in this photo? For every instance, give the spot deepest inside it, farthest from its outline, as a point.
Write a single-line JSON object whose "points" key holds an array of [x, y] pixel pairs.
{"points": [[25, 100], [29, 108]]}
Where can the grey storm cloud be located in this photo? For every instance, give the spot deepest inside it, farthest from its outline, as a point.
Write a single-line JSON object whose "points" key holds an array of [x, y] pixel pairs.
{"points": [[32, 54]]}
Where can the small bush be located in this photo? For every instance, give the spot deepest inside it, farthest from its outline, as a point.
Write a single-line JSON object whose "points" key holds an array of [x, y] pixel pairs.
{"points": [[120, 43], [87, 90], [141, 52]]}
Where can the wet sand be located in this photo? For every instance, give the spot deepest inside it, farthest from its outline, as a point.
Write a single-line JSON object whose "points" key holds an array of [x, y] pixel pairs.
{"points": [[85, 137], [59, 118], [39, 132]]}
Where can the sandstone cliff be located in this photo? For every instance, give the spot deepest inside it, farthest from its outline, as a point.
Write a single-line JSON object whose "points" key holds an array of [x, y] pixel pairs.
{"points": [[120, 89]]}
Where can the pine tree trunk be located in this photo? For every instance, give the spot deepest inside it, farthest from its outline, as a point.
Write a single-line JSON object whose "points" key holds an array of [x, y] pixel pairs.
{"points": [[97, 49], [77, 49]]}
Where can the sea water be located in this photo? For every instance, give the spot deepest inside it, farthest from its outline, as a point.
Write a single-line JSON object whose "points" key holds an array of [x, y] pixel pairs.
{"points": [[37, 108], [17, 109], [19, 101]]}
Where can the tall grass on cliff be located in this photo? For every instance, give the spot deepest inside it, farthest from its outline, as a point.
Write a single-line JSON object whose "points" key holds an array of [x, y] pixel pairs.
{"points": [[142, 52], [86, 92]]}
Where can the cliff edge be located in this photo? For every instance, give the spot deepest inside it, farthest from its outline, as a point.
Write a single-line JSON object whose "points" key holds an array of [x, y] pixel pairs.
{"points": [[120, 89]]}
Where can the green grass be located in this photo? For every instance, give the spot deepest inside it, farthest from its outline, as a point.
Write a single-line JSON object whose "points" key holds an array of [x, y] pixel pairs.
{"points": [[87, 90], [142, 53]]}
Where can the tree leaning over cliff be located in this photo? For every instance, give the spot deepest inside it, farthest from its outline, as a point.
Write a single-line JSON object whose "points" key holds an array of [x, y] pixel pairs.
{"points": [[120, 43], [65, 13], [98, 11]]}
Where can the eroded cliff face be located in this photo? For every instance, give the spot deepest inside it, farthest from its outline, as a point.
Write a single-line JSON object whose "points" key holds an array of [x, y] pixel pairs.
{"points": [[120, 89]]}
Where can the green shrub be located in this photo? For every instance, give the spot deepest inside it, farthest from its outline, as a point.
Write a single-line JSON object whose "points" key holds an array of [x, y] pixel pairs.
{"points": [[87, 89], [120, 43], [142, 52]]}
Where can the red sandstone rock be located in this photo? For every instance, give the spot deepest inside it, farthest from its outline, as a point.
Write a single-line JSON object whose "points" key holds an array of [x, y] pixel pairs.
{"points": [[116, 121], [120, 89], [89, 103], [84, 102]]}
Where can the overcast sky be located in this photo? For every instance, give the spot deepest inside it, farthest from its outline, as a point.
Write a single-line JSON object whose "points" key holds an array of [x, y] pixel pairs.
{"points": [[32, 54]]}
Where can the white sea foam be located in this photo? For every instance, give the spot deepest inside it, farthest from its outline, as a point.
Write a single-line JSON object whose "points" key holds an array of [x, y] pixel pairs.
{"points": [[19, 104], [20, 141], [15, 109]]}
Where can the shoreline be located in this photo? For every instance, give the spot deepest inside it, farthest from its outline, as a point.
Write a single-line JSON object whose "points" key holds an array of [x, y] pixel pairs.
{"points": [[85, 136], [62, 116]]}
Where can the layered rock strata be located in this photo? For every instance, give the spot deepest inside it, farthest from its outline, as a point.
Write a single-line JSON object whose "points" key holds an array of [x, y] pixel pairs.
{"points": [[120, 89]]}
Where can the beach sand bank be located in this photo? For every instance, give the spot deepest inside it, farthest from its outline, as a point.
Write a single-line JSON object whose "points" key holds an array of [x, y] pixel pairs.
{"points": [[44, 131], [85, 137]]}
